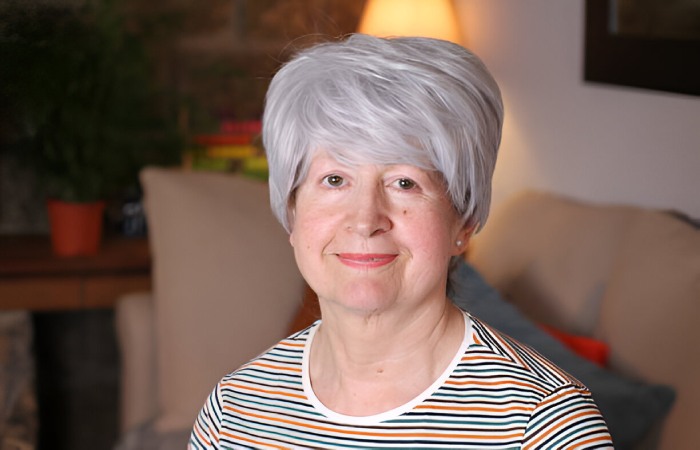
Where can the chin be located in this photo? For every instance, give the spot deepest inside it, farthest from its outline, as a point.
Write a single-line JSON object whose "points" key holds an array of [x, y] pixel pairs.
{"points": [[365, 298]]}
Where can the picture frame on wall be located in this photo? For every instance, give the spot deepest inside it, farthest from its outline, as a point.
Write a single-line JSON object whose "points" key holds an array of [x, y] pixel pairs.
{"points": [[645, 45]]}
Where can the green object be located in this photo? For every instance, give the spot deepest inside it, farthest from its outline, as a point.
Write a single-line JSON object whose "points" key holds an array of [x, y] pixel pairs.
{"points": [[211, 164], [256, 167], [77, 99]]}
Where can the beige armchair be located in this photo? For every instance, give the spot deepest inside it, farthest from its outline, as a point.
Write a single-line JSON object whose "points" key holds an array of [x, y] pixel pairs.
{"points": [[225, 289]]}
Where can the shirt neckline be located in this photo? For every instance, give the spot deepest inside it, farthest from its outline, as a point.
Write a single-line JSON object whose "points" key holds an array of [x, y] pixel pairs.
{"points": [[394, 413]]}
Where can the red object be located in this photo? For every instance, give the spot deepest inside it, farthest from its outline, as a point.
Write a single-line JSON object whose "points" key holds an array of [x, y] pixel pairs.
{"points": [[591, 349], [241, 126], [76, 228]]}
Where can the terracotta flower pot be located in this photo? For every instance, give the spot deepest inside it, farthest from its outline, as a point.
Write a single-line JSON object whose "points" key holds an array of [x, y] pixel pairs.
{"points": [[76, 228]]}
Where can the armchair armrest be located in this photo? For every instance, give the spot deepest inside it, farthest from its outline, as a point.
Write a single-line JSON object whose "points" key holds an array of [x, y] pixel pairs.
{"points": [[137, 345]]}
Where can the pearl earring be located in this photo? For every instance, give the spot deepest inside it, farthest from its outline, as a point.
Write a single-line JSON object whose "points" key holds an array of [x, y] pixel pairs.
{"points": [[459, 243]]}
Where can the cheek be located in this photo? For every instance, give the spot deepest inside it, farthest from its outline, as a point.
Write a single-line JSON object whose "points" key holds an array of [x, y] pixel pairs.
{"points": [[433, 228], [433, 241], [310, 229]]}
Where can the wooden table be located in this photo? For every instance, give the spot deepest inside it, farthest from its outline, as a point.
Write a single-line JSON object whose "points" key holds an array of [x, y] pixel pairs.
{"points": [[32, 278]]}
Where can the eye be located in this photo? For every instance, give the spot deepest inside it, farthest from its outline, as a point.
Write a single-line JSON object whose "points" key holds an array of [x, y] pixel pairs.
{"points": [[405, 184], [334, 181]]}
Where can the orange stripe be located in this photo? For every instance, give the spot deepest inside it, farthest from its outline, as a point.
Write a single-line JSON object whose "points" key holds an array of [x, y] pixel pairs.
{"points": [[559, 425], [495, 383], [201, 436], [271, 366], [475, 408], [556, 397], [213, 433], [371, 434], [593, 440], [482, 358], [476, 339], [292, 344], [264, 391], [255, 442]]}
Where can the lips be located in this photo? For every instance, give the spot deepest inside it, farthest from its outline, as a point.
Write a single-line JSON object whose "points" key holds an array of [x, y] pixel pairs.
{"points": [[366, 260]]}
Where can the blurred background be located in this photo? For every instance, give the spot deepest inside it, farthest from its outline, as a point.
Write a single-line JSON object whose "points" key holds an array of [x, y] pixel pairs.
{"points": [[100, 88], [91, 91]]}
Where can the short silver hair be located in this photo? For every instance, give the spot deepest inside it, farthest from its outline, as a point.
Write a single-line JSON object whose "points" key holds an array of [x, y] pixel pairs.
{"points": [[367, 100]]}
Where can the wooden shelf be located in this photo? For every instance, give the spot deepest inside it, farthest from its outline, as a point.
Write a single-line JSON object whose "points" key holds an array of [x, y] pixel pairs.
{"points": [[33, 278]]}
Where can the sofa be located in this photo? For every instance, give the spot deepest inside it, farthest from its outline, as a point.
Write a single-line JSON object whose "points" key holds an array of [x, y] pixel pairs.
{"points": [[225, 288]]}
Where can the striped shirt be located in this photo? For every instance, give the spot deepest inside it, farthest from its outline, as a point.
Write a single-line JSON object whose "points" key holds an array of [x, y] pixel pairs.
{"points": [[496, 394]]}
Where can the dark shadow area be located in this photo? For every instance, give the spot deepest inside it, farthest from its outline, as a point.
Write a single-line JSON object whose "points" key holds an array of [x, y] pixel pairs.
{"points": [[77, 379]]}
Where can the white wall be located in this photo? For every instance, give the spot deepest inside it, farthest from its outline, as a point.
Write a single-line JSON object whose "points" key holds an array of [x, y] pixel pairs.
{"points": [[593, 142]]}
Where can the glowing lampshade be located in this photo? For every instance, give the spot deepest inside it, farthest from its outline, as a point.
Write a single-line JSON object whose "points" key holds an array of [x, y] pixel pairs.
{"points": [[428, 18]]}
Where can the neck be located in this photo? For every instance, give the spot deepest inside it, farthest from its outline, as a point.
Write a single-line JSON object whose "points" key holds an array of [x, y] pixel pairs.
{"points": [[356, 360]]}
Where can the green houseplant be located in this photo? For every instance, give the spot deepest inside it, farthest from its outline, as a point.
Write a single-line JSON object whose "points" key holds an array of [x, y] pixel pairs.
{"points": [[79, 103]]}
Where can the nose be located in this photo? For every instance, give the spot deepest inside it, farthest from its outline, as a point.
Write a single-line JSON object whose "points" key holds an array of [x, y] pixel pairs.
{"points": [[369, 212]]}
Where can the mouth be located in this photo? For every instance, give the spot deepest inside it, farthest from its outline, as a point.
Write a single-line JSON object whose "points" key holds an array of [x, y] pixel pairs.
{"points": [[366, 260]]}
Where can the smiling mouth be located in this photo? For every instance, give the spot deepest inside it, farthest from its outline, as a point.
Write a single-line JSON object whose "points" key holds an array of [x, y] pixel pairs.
{"points": [[366, 260]]}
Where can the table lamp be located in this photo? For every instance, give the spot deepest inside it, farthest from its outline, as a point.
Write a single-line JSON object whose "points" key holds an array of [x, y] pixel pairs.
{"points": [[427, 18]]}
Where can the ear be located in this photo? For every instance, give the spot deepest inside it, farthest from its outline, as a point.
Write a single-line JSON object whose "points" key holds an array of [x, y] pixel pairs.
{"points": [[291, 215], [291, 234], [462, 238]]}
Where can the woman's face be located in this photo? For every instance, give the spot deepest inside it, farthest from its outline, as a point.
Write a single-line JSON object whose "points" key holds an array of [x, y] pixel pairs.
{"points": [[372, 237]]}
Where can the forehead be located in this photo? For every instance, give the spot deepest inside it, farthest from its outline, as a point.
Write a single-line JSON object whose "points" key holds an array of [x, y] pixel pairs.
{"points": [[325, 157], [374, 154]]}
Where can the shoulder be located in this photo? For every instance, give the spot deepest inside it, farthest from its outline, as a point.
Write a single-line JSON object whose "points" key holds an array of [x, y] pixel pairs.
{"points": [[518, 358], [267, 383], [562, 412], [279, 364]]}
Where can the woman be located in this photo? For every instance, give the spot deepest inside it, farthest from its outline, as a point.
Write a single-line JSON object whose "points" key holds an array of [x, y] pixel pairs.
{"points": [[381, 153]]}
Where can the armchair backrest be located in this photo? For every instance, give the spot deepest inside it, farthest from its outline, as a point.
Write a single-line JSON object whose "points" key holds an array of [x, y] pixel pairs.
{"points": [[625, 275], [226, 286]]}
